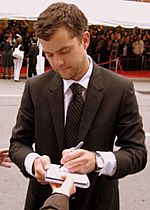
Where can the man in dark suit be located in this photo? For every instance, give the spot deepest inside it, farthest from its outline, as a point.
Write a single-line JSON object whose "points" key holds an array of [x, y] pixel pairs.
{"points": [[110, 117], [33, 52]]}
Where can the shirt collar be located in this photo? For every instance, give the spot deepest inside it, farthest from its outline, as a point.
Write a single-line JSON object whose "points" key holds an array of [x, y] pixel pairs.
{"points": [[84, 81]]}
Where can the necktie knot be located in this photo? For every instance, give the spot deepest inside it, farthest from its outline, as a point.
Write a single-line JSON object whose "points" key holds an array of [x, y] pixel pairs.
{"points": [[76, 88]]}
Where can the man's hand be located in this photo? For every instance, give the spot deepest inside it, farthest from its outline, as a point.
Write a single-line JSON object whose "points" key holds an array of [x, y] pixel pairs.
{"points": [[80, 160], [4, 159], [40, 166]]}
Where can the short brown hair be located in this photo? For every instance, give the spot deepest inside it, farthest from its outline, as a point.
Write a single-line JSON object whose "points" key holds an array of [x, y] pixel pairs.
{"points": [[61, 15]]}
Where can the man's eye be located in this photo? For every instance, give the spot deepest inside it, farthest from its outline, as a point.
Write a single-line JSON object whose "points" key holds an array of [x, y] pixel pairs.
{"points": [[65, 51], [49, 55]]}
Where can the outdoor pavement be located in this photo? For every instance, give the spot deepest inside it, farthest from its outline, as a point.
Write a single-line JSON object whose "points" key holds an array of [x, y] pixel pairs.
{"points": [[134, 189]]}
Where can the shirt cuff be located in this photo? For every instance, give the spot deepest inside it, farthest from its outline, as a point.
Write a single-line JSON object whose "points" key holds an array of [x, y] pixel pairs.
{"points": [[29, 162], [110, 163]]}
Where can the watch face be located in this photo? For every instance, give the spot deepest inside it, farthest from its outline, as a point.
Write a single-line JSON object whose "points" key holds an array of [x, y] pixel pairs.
{"points": [[100, 161]]}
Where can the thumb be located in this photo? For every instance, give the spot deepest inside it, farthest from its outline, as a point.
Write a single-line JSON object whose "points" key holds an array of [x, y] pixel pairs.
{"points": [[45, 161]]}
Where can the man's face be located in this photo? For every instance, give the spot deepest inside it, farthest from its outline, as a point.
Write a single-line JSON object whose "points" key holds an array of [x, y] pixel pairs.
{"points": [[67, 55]]}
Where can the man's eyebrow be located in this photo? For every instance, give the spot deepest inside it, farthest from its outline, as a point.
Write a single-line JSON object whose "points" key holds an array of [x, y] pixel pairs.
{"points": [[46, 51], [57, 50]]}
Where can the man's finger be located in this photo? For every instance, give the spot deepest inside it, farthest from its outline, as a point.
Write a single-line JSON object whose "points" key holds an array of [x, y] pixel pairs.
{"points": [[66, 151], [4, 150], [7, 165], [45, 161]]}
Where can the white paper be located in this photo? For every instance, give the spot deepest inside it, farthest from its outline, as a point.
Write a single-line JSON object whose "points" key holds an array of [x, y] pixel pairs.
{"points": [[54, 174]]}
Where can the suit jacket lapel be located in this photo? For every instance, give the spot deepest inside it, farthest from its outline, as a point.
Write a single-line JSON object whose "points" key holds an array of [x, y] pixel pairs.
{"points": [[93, 99], [56, 100]]}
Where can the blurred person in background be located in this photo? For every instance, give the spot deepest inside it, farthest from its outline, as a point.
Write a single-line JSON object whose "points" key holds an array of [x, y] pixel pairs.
{"points": [[138, 49], [33, 52], [7, 60], [18, 61]]}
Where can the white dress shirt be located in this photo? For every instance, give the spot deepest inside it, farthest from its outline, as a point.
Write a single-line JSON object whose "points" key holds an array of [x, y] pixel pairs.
{"points": [[109, 167]]}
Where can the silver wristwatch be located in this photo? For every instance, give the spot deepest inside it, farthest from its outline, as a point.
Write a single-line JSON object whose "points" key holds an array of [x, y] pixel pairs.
{"points": [[99, 163]]}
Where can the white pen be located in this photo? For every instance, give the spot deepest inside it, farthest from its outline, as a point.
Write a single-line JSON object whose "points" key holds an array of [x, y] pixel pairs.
{"points": [[75, 148], [78, 146]]}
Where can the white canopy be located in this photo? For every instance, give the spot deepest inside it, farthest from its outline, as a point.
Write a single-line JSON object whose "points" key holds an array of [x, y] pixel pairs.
{"points": [[127, 14]]}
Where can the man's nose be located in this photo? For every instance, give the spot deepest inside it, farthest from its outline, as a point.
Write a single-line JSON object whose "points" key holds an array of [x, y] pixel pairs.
{"points": [[58, 61]]}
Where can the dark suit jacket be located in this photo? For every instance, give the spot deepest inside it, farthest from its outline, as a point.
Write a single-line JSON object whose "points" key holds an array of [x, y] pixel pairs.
{"points": [[33, 52], [110, 110], [56, 202]]}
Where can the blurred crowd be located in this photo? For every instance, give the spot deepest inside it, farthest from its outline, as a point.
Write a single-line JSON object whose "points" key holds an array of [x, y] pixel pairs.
{"points": [[131, 46], [18, 34]]}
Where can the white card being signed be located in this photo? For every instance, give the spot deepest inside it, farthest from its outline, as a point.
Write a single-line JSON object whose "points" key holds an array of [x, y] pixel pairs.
{"points": [[54, 174]]}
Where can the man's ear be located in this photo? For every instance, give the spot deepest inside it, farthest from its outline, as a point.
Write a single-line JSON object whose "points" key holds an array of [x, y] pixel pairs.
{"points": [[86, 39]]}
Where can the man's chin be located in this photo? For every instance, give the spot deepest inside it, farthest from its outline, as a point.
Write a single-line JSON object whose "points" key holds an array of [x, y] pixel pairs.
{"points": [[64, 76]]}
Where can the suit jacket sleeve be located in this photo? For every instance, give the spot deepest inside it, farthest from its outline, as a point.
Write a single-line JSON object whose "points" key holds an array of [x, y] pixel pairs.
{"points": [[132, 155], [23, 130], [56, 202]]}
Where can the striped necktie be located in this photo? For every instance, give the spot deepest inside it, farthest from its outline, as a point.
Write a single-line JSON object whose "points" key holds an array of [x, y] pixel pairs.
{"points": [[74, 116]]}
